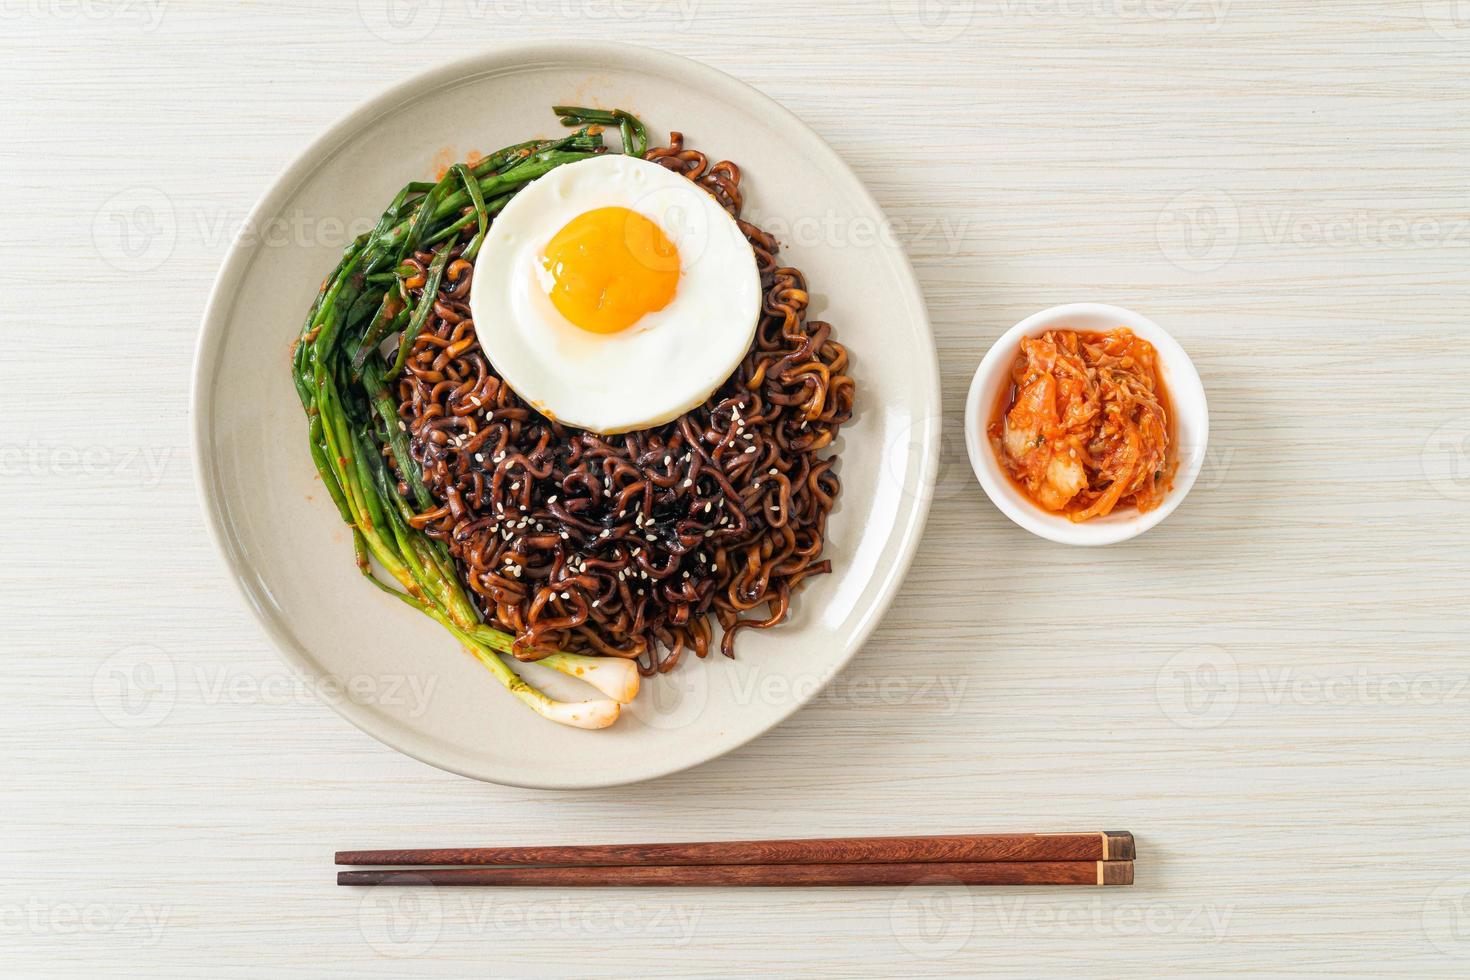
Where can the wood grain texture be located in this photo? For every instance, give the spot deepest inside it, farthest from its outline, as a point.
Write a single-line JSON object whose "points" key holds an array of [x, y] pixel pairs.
{"points": [[1277, 672], [1114, 846], [928, 875]]}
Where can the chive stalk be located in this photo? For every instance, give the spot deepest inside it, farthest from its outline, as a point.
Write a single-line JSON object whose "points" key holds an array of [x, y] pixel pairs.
{"points": [[344, 385]]}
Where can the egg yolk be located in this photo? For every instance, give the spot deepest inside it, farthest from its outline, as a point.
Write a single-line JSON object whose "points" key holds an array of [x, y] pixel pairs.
{"points": [[609, 267]]}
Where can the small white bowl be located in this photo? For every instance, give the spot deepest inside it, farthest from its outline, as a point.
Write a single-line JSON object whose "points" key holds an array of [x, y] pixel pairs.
{"points": [[1186, 400]]}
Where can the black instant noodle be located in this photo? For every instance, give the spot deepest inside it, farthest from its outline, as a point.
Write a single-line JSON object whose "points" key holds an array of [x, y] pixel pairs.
{"points": [[627, 545]]}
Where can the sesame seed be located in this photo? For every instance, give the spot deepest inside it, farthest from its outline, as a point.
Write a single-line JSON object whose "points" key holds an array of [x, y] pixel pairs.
{"points": [[651, 537], [749, 450]]}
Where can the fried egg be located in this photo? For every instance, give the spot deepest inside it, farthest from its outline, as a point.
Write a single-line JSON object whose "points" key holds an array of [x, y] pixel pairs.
{"points": [[613, 294]]}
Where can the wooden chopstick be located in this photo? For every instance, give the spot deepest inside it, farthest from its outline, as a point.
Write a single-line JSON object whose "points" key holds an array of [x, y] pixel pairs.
{"points": [[1115, 845], [763, 875]]}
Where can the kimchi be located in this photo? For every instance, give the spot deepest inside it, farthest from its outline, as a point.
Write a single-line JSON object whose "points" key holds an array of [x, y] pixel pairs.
{"points": [[1083, 428]]}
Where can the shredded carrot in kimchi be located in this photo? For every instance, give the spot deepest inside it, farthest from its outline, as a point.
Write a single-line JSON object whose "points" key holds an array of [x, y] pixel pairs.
{"points": [[1084, 428]]}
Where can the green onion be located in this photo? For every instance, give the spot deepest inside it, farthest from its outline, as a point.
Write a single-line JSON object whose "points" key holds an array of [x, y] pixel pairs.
{"points": [[344, 385], [427, 299], [634, 134], [482, 218]]}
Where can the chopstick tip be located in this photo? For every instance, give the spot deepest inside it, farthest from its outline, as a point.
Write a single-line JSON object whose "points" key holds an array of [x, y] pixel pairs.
{"points": [[1118, 845], [1114, 873]]}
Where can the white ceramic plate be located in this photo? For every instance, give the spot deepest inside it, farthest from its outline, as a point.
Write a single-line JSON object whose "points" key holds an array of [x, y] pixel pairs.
{"points": [[386, 668]]}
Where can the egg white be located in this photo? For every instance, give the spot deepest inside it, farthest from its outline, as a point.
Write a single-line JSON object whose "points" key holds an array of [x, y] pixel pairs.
{"points": [[668, 362]]}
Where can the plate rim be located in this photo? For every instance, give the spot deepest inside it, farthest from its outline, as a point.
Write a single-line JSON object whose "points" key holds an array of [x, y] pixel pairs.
{"points": [[242, 253]]}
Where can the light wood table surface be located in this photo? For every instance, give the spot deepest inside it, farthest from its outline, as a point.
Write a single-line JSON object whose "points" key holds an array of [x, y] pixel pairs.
{"points": [[1271, 689]]}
